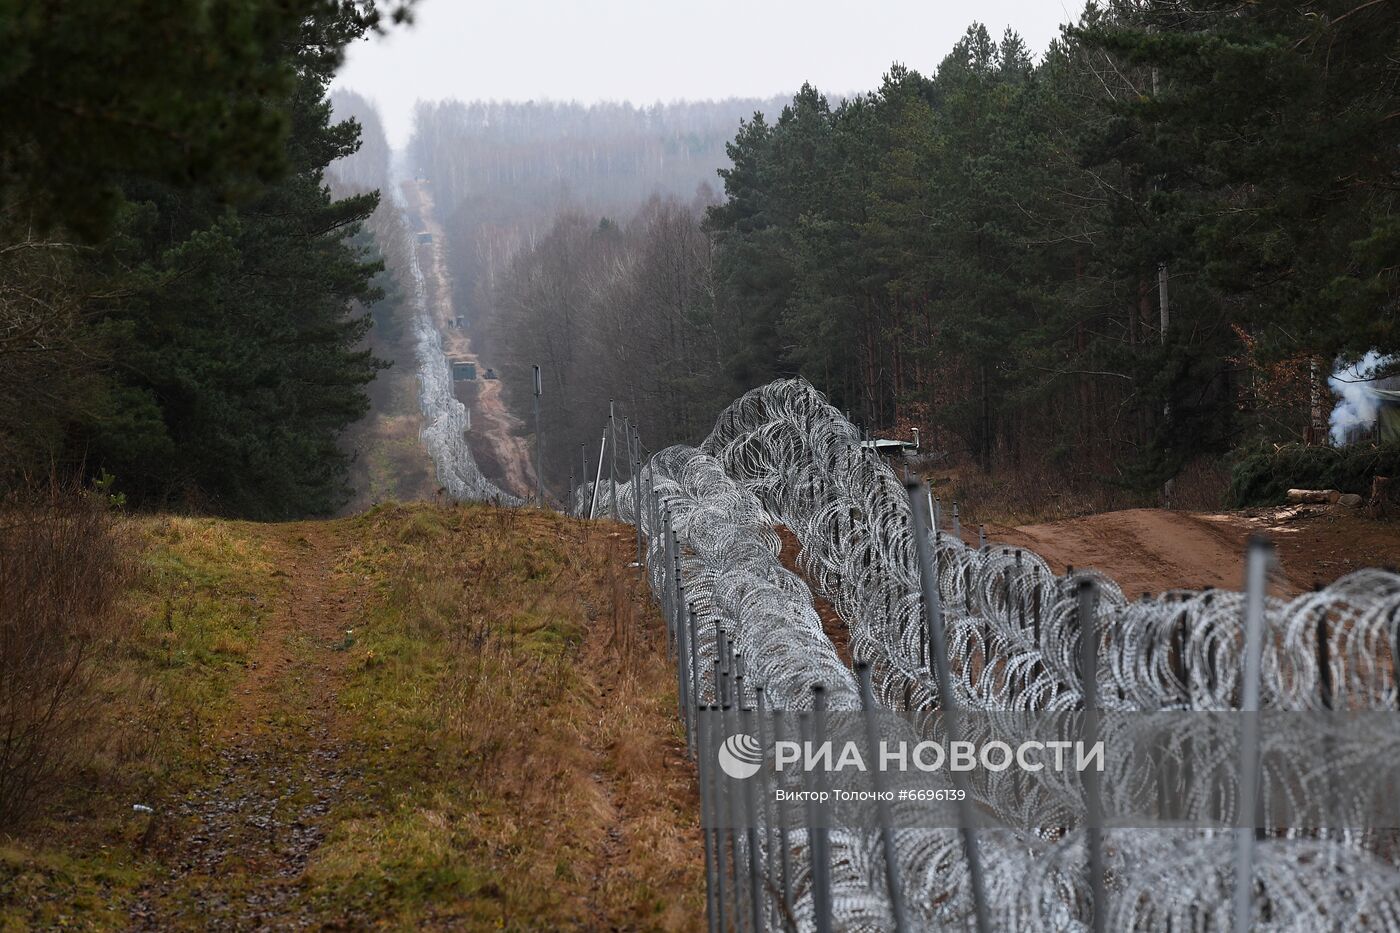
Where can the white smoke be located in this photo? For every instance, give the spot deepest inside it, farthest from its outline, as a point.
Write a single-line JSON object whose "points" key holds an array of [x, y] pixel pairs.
{"points": [[1357, 406]]}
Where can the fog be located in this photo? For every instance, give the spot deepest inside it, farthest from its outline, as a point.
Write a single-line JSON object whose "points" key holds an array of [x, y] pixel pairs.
{"points": [[644, 51]]}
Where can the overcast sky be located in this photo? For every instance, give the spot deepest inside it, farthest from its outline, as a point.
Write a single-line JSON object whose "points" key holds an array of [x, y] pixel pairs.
{"points": [[650, 50]]}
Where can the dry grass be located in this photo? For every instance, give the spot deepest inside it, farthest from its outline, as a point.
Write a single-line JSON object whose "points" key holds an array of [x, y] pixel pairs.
{"points": [[501, 713], [515, 650]]}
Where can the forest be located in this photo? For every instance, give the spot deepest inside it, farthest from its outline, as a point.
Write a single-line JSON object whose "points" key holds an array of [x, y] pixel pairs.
{"points": [[196, 299], [1126, 264], [288, 640], [1120, 265]]}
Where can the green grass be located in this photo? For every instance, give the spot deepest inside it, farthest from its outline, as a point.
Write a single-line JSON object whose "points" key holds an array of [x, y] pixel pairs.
{"points": [[478, 784]]}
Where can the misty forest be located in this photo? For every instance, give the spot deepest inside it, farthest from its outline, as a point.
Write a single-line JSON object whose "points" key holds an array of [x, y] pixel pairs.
{"points": [[303, 619]]}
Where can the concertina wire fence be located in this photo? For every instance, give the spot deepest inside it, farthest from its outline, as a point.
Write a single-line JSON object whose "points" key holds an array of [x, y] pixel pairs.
{"points": [[746, 637], [444, 415]]}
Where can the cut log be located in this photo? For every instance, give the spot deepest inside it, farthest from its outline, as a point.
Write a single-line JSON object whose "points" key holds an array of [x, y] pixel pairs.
{"points": [[1313, 495]]}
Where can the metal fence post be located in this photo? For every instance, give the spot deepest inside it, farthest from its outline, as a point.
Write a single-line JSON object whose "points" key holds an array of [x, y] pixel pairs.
{"points": [[583, 458], [1257, 562], [593, 502], [666, 570], [784, 849], [1088, 595], [714, 871], [755, 857], [683, 697], [693, 629], [680, 587], [637, 503], [817, 835], [539, 439], [735, 816], [882, 809], [612, 458], [938, 648]]}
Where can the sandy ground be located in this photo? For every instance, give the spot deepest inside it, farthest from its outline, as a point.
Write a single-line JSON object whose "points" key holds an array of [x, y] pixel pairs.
{"points": [[502, 453], [1151, 550]]}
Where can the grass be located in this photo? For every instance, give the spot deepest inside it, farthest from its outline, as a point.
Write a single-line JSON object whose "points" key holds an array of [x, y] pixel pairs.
{"points": [[201, 593], [470, 709], [490, 656]]}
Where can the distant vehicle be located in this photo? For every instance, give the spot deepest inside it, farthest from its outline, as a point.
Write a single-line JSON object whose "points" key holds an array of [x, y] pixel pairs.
{"points": [[425, 237], [490, 374], [887, 446], [464, 371]]}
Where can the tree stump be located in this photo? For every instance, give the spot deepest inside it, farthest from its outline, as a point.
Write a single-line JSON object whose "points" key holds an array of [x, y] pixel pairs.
{"points": [[1380, 497]]}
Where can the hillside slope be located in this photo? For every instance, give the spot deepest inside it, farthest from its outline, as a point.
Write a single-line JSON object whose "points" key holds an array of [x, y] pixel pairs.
{"points": [[417, 717]]}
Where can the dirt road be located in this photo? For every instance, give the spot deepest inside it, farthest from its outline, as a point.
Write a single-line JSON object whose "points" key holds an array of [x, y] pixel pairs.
{"points": [[1150, 550], [501, 452], [275, 772]]}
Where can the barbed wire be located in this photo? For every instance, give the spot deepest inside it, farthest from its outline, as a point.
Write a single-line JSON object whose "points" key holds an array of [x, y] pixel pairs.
{"points": [[444, 431], [1013, 626], [781, 455]]}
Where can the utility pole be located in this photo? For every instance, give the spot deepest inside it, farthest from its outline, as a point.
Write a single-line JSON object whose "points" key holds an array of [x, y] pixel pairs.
{"points": [[539, 438]]}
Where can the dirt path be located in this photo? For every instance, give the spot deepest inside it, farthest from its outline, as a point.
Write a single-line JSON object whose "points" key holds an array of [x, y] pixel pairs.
{"points": [[274, 772], [493, 425], [834, 626], [1150, 550], [1143, 549]]}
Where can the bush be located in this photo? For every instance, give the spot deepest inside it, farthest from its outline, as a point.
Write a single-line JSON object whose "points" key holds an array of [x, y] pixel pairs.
{"points": [[63, 563], [1263, 475]]}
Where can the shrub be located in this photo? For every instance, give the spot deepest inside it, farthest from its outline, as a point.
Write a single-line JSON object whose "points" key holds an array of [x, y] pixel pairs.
{"points": [[63, 563], [1263, 475]]}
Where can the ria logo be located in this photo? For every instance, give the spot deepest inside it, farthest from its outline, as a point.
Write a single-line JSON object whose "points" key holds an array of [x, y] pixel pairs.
{"points": [[740, 756]]}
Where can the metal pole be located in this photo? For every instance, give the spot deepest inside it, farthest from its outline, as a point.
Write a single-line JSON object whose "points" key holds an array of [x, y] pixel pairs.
{"points": [[667, 567], [709, 828], [784, 850], [539, 439], [683, 697], [694, 665], [882, 809], [1088, 594], [769, 882], [816, 833], [598, 478], [756, 911], [612, 458], [655, 518], [1256, 582], [938, 648], [583, 458], [680, 589], [637, 502], [735, 818]]}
